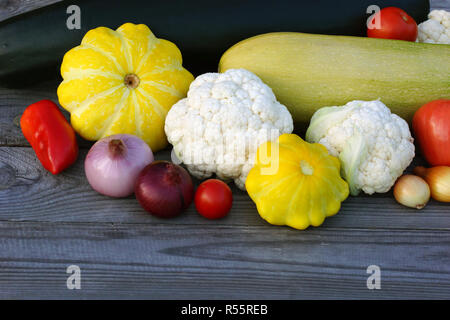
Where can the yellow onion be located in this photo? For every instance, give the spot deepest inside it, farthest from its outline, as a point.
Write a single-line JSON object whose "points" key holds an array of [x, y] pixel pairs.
{"points": [[438, 178], [412, 191]]}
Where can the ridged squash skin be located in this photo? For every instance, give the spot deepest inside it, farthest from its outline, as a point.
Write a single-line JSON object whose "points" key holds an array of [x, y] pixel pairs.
{"points": [[122, 82], [308, 71], [296, 183]]}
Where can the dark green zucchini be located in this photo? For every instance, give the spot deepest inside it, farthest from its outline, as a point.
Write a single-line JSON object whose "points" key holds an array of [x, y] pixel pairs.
{"points": [[32, 45]]}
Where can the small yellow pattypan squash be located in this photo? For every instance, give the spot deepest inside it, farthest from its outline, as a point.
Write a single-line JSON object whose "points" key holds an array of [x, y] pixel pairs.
{"points": [[296, 183], [122, 81]]}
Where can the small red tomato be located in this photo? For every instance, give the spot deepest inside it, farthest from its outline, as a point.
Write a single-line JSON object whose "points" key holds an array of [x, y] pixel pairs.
{"points": [[394, 23], [213, 199], [431, 125]]}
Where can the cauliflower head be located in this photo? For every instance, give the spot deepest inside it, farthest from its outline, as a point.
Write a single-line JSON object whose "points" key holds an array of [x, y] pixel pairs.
{"points": [[436, 29], [374, 145], [222, 122]]}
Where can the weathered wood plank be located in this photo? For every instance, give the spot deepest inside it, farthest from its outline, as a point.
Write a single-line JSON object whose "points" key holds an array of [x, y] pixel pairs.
{"points": [[68, 197], [12, 104], [11, 8], [440, 4], [191, 262], [29, 193], [49, 222]]}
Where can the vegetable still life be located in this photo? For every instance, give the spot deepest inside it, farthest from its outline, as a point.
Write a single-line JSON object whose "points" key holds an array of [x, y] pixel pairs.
{"points": [[368, 104]]}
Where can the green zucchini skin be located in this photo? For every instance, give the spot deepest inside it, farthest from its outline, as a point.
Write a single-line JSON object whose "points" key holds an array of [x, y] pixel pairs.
{"points": [[309, 71], [32, 45]]}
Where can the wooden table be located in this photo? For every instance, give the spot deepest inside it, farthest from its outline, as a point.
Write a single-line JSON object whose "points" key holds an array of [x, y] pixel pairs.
{"points": [[48, 223]]}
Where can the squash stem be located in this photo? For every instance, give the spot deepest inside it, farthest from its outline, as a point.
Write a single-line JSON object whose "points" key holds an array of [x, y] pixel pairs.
{"points": [[131, 81], [307, 169]]}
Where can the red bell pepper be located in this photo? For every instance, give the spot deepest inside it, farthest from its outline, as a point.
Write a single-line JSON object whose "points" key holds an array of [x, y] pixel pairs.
{"points": [[50, 135]]}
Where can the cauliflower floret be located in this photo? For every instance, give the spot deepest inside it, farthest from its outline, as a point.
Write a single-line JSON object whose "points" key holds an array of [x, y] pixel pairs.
{"points": [[222, 122], [374, 145], [436, 29]]}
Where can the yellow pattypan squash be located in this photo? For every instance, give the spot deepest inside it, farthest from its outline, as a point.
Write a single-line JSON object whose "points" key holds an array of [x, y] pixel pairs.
{"points": [[122, 81], [296, 183]]}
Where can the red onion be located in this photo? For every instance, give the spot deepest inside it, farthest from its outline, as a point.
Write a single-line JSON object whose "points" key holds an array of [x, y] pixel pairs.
{"points": [[113, 164], [164, 189]]}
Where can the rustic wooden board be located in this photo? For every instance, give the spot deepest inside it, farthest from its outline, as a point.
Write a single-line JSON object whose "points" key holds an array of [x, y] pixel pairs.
{"points": [[50, 222], [13, 103], [222, 262], [440, 4]]}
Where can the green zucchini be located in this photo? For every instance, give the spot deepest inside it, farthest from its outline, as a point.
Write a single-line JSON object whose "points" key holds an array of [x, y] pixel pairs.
{"points": [[32, 45], [308, 71]]}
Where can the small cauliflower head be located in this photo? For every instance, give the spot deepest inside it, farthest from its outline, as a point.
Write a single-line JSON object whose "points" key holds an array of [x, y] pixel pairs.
{"points": [[436, 29], [374, 145], [218, 128]]}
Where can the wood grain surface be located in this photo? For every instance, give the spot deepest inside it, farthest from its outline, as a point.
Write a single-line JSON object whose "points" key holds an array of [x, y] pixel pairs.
{"points": [[222, 262], [11, 8], [49, 222]]}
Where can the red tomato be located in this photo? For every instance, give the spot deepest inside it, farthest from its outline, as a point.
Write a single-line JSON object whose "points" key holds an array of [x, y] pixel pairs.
{"points": [[213, 199], [394, 23], [431, 125]]}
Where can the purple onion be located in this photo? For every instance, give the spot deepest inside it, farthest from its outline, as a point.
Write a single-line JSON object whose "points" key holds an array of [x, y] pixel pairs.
{"points": [[164, 189], [114, 163]]}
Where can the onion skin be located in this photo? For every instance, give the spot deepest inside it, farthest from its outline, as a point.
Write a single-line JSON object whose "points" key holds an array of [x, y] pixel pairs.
{"points": [[438, 178], [412, 191], [164, 189], [114, 163]]}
